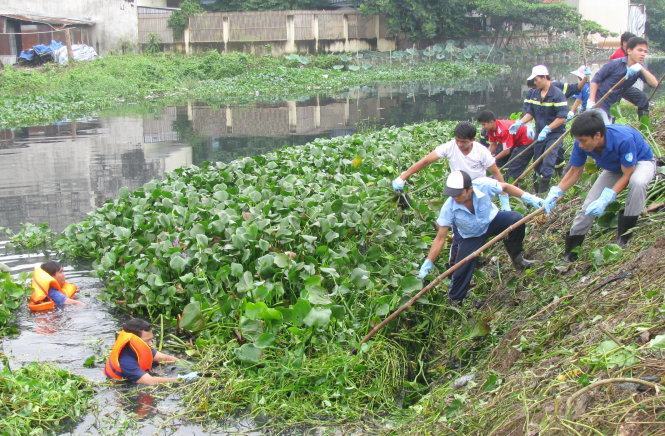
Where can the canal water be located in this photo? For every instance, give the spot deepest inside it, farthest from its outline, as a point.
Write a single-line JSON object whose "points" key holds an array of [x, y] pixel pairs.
{"points": [[58, 173]]}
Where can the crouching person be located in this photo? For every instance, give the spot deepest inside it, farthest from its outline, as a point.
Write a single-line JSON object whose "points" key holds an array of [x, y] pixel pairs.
{"points": [[471, 211], [626, 160], [132, 356]]}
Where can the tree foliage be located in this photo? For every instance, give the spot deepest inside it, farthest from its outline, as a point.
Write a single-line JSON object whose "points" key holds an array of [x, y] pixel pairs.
{"points": [[266, 5], [655, 22], [179, 20]]}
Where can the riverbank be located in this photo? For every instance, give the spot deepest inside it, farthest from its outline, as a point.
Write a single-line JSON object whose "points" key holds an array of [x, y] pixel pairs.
{"points": [[52, 92]]}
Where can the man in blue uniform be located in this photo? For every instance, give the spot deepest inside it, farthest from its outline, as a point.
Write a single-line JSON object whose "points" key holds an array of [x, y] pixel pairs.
{"points": [[626, 160], [631, 67], [470, 209], [548, 106]]}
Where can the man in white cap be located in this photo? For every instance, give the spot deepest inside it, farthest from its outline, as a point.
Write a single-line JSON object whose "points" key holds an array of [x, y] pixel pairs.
{"points": [[471, 211], [547, 105], [580, 92]]}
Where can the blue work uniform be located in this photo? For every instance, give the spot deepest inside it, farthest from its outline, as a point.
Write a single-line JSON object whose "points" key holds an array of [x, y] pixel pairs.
{"points": [[608, 76], [623, 146], [544, 110], [129, 364], [57, 296], [583, 95], [568, 89], [474, 228]]}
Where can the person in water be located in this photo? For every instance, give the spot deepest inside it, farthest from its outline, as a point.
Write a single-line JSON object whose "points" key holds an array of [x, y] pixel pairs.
{"points": [[50, 288], [133, 356]]}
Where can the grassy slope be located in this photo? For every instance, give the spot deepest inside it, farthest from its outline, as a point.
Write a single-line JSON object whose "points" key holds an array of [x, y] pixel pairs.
{"points": [[30, 96], [549, 336]]}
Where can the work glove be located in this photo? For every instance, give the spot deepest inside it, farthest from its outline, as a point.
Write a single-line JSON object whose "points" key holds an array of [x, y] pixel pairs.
{"points": [[552, 196], [189, 377], [587, 72], [570, 116], [504, 200], [590, 104], [515, 127], [543, 133], [530, 133], [597, 207], [532, 200], [425, 269], [398, 184], [633, 71]]}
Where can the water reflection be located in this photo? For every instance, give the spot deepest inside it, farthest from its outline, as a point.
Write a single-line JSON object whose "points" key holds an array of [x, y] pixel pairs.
{"points": [[58, 173]]}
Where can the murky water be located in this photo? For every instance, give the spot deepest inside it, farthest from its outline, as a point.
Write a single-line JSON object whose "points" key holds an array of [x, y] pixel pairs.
{"points": [[58, 173]]}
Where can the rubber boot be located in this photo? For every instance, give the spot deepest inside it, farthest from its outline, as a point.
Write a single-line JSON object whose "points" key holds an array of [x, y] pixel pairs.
{"points": [[543, 185], [520, 263], [625, 224], [572, 242], [645, 123]]}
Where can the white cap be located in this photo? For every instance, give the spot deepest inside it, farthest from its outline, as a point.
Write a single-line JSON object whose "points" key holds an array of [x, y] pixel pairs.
{"points": [[457, 182], [538, 70], [579, 72]]}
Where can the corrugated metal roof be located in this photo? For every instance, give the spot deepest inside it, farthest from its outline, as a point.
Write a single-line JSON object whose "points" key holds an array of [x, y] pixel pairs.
{"points": [[55, 21]]}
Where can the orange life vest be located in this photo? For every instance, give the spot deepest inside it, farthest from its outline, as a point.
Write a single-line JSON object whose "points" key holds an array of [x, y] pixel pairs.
{"points": [[142, 350], [41, 283]]}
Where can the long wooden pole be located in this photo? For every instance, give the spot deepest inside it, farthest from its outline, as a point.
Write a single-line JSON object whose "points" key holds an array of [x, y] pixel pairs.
{"points": [[447, 273], [551, 148]]}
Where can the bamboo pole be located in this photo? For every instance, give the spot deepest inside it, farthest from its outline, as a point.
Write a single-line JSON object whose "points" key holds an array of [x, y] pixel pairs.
{"points": [[447, 273], [656, 88], [551, 148]]}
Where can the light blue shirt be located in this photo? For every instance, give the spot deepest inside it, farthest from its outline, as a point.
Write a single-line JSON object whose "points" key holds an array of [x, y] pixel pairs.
{"points": [[471, 225]]}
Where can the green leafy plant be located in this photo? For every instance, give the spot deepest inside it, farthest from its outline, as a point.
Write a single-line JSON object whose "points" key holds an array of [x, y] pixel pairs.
{"points": [[32, 236], [12, 295]]}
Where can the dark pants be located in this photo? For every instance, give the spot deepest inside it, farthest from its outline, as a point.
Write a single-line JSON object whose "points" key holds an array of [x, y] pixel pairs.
{"points": [[517, 166], [459, 286], [639, 99], [546, 168]]}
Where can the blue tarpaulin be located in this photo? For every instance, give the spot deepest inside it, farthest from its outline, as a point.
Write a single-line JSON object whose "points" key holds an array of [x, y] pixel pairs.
{"points": [[39, 53]]}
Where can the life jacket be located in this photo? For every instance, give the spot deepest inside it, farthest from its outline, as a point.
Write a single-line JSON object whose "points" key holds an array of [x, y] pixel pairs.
{"points": [[142, 350], [41, 283]]}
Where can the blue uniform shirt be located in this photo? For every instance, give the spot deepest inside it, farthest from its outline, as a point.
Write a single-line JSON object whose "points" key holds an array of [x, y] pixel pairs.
{"points": [[546, 110], [623, 146], [583, 95], [471, 225], [58, 297], [608, 76], [568, 89], [129, 364]]}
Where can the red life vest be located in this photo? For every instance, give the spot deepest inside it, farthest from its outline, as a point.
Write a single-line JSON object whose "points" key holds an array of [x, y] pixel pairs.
{"points": [[142, 350], [41, 283]]}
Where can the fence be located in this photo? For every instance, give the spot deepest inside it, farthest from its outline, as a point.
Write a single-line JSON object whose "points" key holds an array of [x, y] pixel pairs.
{"points": [[154, 21]]}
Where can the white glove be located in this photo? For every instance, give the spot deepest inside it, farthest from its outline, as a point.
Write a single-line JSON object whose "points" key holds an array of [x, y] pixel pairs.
{"points": [[570, 116], [398, 184], [190, 376], [633, 71], [590, 104]]}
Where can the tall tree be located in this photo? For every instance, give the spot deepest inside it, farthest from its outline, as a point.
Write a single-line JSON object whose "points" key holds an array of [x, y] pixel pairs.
{"points": [[655, 22]]}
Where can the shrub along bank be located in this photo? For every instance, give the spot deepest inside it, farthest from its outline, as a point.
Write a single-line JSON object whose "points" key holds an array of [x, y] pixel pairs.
{"points": [[53, 92]]}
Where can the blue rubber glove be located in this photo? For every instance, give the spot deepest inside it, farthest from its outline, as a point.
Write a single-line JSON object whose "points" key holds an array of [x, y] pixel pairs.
{"points": [[425, 269], [504, 201], [532, 200], [633, 71], [552, 196], [543, 133], [530, 133], [190, 376], [398, 184], [597, 207], [515, 127], [587, 72], [570, 116]]}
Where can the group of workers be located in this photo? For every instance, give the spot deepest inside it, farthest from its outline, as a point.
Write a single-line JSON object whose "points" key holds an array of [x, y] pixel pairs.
{"points": [[469, 212], [620, 151]]}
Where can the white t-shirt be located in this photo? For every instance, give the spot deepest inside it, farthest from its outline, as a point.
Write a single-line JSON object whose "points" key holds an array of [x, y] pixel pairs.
{"points": [[475, 164]]}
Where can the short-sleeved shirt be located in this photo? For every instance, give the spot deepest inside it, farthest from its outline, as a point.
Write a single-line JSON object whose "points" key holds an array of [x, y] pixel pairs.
{"points": [[471, 225], [57, 296], [583, 95], [623, 146], [475, 164], [568, 89], [545, 110], [608, 76], [505, 138], [129, 365], [618, 54]]}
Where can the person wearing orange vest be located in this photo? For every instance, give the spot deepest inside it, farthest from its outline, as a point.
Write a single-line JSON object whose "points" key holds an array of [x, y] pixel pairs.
{"points": [[132, 356], [50, 289]]}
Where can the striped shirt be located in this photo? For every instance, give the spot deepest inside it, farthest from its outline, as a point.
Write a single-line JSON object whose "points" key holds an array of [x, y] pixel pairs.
{"points": [[545, 110]]}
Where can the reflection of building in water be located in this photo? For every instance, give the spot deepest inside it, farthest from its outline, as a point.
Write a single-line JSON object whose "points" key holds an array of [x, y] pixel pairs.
{"points": [[56, 174]]}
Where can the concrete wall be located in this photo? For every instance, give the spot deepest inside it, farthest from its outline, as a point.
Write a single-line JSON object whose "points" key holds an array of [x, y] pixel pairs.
{"points": [[116, 21]]}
